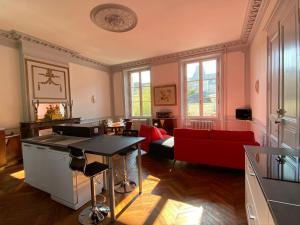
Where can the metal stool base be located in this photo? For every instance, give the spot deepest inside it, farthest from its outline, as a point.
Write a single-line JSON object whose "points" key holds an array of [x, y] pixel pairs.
{"points": [[87, 217], [125, 186]]}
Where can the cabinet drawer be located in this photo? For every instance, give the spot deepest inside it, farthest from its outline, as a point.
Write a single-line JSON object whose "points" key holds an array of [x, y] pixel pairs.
{"points": [[249, 205], [259, 200]]}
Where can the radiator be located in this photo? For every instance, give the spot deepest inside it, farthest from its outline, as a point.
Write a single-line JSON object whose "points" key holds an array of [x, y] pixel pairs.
{"points": [[202, 124]]}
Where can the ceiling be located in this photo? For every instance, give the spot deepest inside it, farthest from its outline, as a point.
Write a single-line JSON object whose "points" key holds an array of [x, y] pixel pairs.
{"points": [[164, 26]]}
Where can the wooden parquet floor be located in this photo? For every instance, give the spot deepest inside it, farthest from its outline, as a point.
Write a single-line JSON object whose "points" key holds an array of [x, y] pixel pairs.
{"points": [[192, 194]]}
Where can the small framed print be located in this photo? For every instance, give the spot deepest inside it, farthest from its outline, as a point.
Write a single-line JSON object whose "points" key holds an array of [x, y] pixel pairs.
{"points": [[165, 95]]}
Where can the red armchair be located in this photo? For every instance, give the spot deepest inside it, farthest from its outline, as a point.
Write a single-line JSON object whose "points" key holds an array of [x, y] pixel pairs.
{"points": [[216, 148]]}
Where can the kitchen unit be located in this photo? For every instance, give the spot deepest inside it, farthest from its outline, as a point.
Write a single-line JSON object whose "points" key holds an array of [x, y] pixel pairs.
{"points": [[272, 186], [46, 166]]}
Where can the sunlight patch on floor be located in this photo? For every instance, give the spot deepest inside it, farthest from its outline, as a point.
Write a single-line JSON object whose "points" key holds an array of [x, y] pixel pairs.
{"points": [[148, 185], [18, 175], [151, 208]]}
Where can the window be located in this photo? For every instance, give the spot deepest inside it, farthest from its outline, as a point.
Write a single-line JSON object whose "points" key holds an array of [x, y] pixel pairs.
{"points": [[140, 93], [201, 88]]}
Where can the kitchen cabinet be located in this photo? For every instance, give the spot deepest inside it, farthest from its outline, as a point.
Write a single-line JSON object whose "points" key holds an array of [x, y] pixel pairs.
{"points": [[36, 166], [257, 209], [48, 170]]}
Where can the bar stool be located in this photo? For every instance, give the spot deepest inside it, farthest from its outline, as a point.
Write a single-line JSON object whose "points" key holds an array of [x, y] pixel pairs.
{"points": [[126, 185], [95, 213]]}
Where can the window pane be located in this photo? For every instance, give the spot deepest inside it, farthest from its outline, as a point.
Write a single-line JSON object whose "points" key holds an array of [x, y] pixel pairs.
{"points": [[135, 101], [209, 106], [146, 93], [140, 82], [209, 87], [192, 71], [210, 67], [134, 79], [136, 109], [145, 77], [146, 108], [193, 98], [193, 109], [135, 95], [193, 91]]}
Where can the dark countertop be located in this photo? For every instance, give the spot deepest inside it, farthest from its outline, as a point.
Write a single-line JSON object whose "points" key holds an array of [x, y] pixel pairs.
{"points": [[104, 145], [107, 145], [59, 142], [283, 197]]}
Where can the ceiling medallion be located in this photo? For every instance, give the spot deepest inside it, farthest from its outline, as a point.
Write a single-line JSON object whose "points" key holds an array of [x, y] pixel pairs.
{"points": [[114, 17]]}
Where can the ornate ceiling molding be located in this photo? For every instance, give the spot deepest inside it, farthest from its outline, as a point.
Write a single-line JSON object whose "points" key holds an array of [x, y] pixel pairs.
{"points": [[114, 17], [173, 57], [251, 18], [18, 36]]}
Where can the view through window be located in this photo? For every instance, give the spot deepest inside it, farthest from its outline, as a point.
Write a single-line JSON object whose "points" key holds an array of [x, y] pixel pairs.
{"points": [[201, 86], [140, 89]]}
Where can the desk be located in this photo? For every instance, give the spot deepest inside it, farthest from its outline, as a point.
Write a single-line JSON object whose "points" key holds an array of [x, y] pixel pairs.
{"points": [[108, 146]]}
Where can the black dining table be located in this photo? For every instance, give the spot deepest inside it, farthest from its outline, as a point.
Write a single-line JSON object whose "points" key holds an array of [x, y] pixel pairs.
{"points": [[108, 146]]}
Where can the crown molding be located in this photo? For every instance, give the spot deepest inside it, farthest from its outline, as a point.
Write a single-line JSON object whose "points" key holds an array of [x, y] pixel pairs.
{"points": [[17, 37], [251, 18], [251, 21], [173, 57]]}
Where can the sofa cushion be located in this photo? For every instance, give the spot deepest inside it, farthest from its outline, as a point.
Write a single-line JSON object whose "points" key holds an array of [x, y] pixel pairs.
{"points": [[163, 131], [156, 134], [191, 133], [239, 136], [151, 134]]}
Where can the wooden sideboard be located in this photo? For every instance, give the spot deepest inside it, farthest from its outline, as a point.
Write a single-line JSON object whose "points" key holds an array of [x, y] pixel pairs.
{"points": [[2, 148], [10, 149], [31, 129], [166, 123]]}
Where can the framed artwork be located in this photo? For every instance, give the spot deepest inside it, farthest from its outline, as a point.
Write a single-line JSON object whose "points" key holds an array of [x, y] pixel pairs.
{"points": [[165, 95], [47, 81]]}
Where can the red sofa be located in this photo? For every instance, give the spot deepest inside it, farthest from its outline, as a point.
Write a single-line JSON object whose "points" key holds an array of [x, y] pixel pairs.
{"points": [[215, 147]]}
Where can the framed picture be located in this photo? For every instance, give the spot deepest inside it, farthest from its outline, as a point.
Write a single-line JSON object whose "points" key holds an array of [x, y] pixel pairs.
{"points": [[47, 81], [165, 95]]}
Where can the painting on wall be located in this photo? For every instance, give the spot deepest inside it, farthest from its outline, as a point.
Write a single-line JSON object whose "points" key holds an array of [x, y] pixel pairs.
{"points": [[48, 81], [165, 95]]}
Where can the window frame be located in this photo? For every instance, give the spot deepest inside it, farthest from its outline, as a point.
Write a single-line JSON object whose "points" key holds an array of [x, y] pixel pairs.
{"points": [[218, 89], [140, 70]]}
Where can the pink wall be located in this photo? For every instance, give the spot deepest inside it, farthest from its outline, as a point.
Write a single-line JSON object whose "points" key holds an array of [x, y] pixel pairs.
{"points": [[163, 75], [235, 82], [234, 90]]}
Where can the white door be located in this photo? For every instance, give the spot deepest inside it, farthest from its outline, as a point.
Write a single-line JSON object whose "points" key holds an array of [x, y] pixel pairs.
{"points": [[283, 85], [274, 89], [288, 128]]}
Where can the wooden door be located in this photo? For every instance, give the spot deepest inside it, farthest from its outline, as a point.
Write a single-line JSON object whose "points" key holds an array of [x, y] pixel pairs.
{"points": [[283, 79]]}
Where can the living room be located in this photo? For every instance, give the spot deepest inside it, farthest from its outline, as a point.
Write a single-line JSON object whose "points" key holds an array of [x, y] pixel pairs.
{"points": [[208, 90]]}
